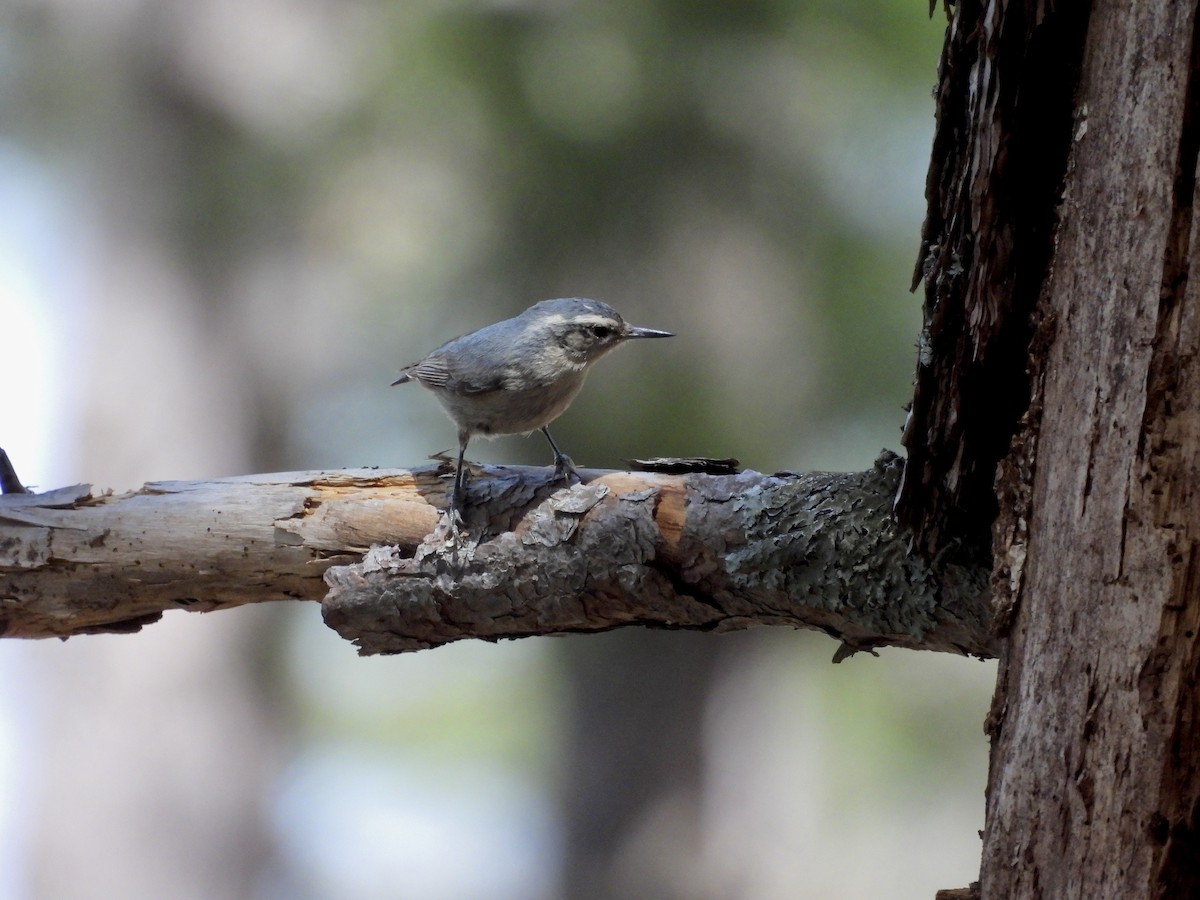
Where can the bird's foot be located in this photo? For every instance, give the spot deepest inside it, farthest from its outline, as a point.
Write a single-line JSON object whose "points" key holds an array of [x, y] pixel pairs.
{"points": [[564, 469], [454, 509]]}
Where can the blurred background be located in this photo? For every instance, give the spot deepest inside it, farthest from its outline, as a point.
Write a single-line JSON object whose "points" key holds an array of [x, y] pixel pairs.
{"points": [[224, 224]]}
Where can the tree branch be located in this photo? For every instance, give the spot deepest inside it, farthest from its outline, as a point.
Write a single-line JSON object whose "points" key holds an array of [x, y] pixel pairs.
{"points": [[672, 551], [713, 553]]}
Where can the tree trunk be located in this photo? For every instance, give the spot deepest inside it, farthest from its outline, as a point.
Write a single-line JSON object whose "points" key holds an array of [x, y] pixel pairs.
{"points": [[1095, 778], [1060, 233]]}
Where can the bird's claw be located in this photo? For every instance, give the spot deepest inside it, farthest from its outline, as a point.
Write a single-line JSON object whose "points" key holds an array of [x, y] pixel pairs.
{"points": [[564, 469]]}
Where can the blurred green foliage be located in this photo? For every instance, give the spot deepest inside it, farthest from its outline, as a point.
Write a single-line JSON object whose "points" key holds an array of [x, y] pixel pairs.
{"points": [[746, 174]]}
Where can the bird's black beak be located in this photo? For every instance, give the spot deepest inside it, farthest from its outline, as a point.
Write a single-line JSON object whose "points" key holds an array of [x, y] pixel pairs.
{"points": [[634, 332]]}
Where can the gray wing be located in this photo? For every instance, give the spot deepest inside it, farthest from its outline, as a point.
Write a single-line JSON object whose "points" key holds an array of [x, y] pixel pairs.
{"points": [[436, 373]]}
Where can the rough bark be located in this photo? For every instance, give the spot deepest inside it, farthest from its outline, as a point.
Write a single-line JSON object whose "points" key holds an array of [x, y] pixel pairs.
{"points": [[709, 552], [703, 552], [1095, 778], [1085, 118]]}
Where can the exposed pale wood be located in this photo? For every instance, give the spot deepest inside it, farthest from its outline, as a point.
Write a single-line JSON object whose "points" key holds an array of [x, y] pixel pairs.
{"points": [[72, 562], [678, 551]]}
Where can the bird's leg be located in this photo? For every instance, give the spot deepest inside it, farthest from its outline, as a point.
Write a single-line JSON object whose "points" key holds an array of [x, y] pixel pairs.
{"points": [[563, 467], [457, 498]]}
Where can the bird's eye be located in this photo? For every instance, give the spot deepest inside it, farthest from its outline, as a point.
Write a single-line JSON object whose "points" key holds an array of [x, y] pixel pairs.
{"points": [[601, 331]]}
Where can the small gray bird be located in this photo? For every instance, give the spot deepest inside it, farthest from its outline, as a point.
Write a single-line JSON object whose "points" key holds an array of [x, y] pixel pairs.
{"points": [[521, 374]]}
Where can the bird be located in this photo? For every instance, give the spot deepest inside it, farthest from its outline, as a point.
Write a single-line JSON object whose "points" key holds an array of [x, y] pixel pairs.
{"points": [[519, 375]]}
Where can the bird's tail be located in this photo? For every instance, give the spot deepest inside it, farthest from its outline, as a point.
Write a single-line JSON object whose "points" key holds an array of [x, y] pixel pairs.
{"points": [[402, 379]]}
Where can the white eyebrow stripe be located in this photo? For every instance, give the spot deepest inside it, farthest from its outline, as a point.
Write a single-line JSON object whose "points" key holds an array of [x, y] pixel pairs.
{"points": [[584, 320]]}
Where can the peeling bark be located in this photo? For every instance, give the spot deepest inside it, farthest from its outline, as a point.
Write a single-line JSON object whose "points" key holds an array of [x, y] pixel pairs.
{"points": [[1006, 81], [709, 552]]}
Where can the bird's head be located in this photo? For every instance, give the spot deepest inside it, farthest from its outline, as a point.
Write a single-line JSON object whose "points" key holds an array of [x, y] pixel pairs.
{"points": [[585, 329]]}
